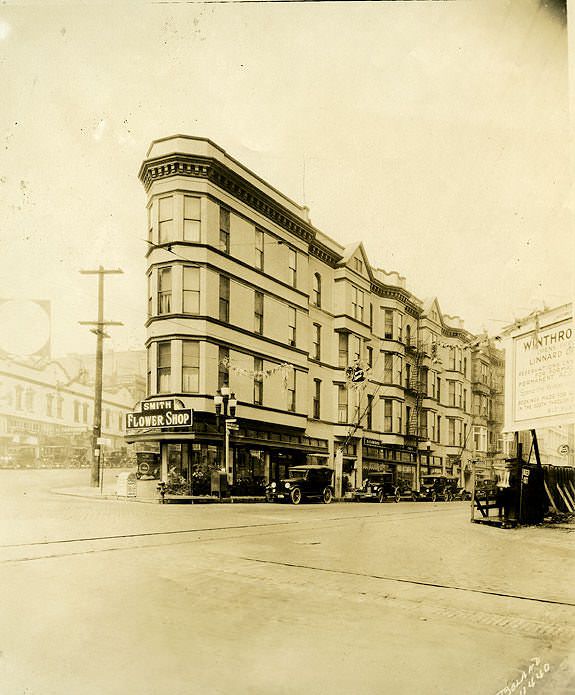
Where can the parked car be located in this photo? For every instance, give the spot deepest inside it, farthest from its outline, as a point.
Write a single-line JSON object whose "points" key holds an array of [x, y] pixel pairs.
{"points": [[304, 482], [486, 489], [378, 487], [405, 490], [437, 487]]}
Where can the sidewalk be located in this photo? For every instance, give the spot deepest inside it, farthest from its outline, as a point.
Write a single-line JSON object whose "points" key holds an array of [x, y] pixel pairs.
{"points": [[108, 492]]}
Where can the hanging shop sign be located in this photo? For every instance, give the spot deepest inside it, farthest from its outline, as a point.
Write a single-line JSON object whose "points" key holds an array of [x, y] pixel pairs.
{"points": [[164, 416], [539, 371]]}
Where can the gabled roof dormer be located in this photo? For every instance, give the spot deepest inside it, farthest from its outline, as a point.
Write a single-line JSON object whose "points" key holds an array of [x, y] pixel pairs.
{"points": [[355, 258], [432, 311]]}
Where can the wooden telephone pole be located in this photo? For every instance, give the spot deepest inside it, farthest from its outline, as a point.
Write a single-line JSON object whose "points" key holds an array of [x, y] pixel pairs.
{"points": [[100, 335]]}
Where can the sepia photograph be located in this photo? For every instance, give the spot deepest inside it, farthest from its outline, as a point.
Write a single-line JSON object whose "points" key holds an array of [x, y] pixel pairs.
{"points": [[287, 364]]}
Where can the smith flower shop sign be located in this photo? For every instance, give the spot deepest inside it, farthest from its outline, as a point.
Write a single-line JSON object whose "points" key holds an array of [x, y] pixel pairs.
{"points": [[159, 414]]}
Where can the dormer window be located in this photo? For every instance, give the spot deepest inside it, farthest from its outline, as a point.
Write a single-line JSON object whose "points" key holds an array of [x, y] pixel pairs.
{"points": [[358, 265]]}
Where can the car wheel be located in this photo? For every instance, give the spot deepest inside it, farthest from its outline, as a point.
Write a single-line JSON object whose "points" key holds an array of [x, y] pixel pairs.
{"points": [[434, 496], [397, 495], [327, 495], [413, 497], [295, 495], [380, 496]]}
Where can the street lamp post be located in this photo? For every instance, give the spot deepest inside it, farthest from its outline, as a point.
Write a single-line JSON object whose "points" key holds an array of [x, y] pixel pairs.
{"points": [[226, 404]]}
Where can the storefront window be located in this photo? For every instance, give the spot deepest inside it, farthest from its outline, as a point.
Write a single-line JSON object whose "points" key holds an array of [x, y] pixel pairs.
{"points": [[203, 460], [250, 472], [177, 473]]}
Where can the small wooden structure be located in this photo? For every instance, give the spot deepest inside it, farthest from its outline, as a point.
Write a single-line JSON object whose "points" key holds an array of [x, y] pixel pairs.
{"points": [[520, 494]]}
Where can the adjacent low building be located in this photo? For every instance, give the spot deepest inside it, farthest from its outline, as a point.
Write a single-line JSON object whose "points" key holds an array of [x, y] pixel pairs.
{"points": [[46, 415], [330, 359]]}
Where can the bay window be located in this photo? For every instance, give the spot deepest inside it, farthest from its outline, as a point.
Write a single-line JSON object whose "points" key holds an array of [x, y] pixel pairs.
{"points": [[166, 219], [190, 366], [191, 291], [192, 215], [164, 290], [164, 370]]}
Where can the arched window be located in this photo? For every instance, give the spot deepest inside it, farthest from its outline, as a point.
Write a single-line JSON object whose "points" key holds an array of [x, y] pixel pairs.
{"points": [[408, 335], [316, 297]]}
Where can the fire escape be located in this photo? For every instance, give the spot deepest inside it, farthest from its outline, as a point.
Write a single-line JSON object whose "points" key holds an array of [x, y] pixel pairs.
{"points": [[417, 386]]}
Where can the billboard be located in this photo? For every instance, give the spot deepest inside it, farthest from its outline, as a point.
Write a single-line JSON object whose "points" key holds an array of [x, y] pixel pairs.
{"points": [[539, 371]]}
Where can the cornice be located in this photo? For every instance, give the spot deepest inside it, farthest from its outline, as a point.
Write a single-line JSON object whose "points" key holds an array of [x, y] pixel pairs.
{"points": [[391, 292], [324, 254], [195, 166], [459, 333]]}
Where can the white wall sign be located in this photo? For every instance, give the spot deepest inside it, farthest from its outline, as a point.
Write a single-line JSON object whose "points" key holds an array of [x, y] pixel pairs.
{"points": [[539, 372]]}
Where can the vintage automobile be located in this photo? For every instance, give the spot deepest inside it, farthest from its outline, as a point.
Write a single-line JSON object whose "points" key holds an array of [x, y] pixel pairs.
{"points": [[378, 487], [486, 489], [436, 487], [304, 482]]}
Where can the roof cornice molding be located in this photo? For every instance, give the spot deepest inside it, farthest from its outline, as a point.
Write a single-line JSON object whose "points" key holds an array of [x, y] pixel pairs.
{"points": [[398, 293], [460, 333], [196, 166], [323, 253]]}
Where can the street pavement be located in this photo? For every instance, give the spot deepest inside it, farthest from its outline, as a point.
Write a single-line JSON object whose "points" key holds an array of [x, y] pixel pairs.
{"points": [[106, 596]]}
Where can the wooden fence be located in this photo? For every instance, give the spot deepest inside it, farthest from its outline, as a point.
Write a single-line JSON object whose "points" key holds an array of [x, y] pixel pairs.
{"points": [[560, 487]]}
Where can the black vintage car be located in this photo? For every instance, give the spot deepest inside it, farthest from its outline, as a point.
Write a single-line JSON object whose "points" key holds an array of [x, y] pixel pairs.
{"points": [[486, 489], [304, 482], [378, 487], [437, 487]]}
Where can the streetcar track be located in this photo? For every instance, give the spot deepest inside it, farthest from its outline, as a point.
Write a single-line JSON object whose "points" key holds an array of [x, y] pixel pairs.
{"points": [[402, 580], [270, 526], [144, 534]]}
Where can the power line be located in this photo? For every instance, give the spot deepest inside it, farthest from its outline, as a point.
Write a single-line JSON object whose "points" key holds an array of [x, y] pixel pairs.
{"points": [[100, 335]]}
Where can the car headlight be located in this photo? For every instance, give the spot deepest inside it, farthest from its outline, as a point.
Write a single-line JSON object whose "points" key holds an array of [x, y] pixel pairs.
{"points": [[273, 485], [288, 485]]}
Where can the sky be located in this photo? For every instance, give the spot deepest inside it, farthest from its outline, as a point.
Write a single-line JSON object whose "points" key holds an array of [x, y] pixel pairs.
{"points": [[435, 132]]}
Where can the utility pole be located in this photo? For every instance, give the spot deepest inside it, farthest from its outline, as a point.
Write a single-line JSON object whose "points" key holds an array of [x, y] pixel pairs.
{"points": [[100, 335]]}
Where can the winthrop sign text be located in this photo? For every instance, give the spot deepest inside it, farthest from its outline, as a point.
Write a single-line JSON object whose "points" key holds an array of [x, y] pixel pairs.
{"points": [[539, 361]]}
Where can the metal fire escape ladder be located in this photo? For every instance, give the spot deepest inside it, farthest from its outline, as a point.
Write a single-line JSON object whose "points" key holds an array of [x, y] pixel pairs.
{"points": [[414, 424]]}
